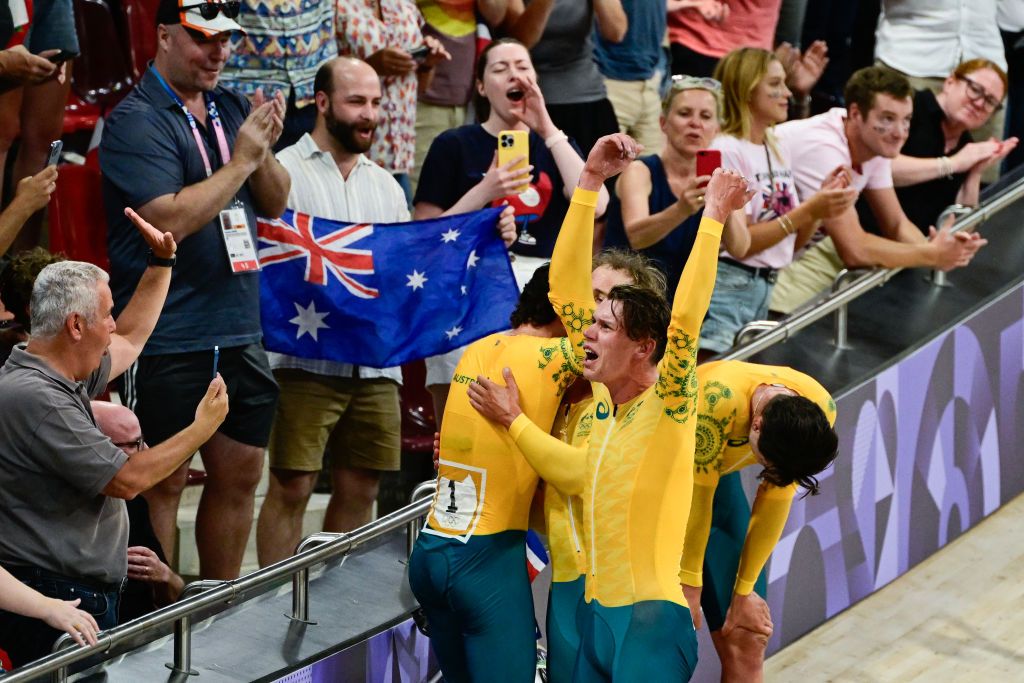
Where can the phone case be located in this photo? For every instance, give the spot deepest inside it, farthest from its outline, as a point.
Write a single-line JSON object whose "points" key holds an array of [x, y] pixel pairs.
{"points": [[512, 144]]}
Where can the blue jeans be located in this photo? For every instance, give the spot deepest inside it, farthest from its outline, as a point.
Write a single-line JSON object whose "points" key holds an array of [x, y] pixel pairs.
{"points": [[26, 639], [739, 297]]}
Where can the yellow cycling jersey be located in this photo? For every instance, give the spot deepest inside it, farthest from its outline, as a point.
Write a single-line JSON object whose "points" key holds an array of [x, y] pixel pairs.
{"points": [[636, 474], [563, 514], [723, 425], [484, 485]]}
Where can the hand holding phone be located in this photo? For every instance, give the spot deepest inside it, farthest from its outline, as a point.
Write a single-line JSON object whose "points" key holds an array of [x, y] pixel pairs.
{"points": [[419, 53], [56, 147], [513, 144], [707, 161]]}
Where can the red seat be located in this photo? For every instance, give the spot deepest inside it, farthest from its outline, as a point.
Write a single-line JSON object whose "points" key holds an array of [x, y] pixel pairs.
{"points": [[140, 21], [102, 73], [78, 224], [418, 423]]}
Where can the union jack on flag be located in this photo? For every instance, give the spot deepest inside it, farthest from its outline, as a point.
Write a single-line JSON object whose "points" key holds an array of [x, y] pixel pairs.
{"points": [[330, 253], [385, 294]]}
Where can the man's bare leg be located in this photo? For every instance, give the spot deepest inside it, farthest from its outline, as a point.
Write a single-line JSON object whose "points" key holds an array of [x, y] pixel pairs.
{"points": [[741, 655], [224, 518], [351, 504], [163, 500], [279, 528]]}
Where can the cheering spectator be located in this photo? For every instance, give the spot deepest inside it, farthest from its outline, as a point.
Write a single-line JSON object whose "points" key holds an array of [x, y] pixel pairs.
{"points": [[658, 199], [387, 35], [863, 138], [765, 235], [197, 161], [939, 165], [304, 33], [461, 172], [443, 104], [558, 33], [633, 68]]}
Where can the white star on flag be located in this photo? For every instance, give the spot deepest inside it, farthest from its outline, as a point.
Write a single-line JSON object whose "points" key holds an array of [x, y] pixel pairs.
{"points": [[450, 236], [309, 321], [473, 258], [454, 332], [465, 290], [416, 280]]}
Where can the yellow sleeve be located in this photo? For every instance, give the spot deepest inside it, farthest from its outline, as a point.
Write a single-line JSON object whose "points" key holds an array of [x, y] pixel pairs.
{"points": [[767, 520], [677, 371], [698, 528], [571, 292], [559, 464]]}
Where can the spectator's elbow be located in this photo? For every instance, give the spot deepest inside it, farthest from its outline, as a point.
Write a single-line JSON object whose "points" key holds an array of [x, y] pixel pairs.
{"points": [[613, 31], [855, 255], [124, 485]]}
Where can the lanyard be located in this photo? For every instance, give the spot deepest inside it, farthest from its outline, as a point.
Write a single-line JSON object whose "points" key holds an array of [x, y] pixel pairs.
{"points": [[218, 128]]}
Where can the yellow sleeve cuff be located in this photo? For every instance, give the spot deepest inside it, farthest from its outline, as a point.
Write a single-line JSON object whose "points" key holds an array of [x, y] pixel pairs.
{"points": [[691, 578], [585, 197], [744, 587], [710, 226], [518, 426]]}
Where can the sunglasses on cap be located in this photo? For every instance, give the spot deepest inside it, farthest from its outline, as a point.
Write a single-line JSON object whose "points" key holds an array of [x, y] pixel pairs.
{"points": [[684, 82], [210, 10]]}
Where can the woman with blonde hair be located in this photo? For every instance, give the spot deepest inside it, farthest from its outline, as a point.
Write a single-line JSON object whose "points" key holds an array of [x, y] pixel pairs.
{"points": [[778, 224]]}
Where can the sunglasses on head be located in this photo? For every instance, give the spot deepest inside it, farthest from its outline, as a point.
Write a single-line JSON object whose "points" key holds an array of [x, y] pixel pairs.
{"points": [[210, 10], [684, 82]]}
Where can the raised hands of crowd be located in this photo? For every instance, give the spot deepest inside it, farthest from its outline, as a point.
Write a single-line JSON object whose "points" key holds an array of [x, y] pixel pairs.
{"points": [[261, 129], [975, 157], [835, 196], [803, 69], [726, 192], [531, 109], [33, 192], [609, 157], [161, 243], [394, 61]]}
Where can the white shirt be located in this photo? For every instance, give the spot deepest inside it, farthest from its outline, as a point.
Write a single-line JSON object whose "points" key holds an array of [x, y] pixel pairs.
{"points": [[816, 146], [776, 193], [929, 38], [1011, 15], [369, 195]]}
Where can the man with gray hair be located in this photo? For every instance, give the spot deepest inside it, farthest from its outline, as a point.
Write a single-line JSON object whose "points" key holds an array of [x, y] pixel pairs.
{"points": [[65, 529]]}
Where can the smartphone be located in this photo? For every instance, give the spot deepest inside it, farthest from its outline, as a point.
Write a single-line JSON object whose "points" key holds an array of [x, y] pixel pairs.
{"points": [[707, 161], [419, 53], [56, 147], [216, 360], [512, 144], [62, 57]]}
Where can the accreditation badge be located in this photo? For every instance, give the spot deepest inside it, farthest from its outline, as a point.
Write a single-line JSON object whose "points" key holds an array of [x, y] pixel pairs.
{"points": [[234, 227]]}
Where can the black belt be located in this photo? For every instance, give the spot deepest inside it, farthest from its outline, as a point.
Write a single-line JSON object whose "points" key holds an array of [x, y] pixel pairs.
{"points": [[770, 275], [36, 574]]}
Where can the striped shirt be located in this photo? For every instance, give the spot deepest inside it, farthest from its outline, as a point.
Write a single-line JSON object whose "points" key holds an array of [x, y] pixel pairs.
{"points": [[369, 195]]}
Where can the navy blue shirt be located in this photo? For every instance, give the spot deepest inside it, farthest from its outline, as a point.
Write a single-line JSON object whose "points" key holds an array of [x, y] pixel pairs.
{"points": [[148, 151], [639, 54], [459, 158], [670, 253]]}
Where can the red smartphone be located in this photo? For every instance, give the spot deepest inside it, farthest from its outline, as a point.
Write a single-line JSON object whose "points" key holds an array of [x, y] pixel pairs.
{"points": [[707, 161]]}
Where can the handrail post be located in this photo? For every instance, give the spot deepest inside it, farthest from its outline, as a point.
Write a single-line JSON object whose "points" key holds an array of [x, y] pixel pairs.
{"points": [[954, 211], [840, 323], [753, 329], [424, 489], [182, 663], [61, 674], [300, 579]]}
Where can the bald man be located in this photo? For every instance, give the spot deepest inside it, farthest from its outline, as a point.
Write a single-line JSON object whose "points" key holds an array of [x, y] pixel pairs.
{"points": [[151, 583]]}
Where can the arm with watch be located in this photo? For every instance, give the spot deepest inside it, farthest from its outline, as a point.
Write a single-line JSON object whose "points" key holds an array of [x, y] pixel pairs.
{"points": [[139, 317]]}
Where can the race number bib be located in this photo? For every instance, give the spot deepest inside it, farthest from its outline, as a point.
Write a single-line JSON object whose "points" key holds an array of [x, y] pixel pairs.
{"points": [[459, 501]]}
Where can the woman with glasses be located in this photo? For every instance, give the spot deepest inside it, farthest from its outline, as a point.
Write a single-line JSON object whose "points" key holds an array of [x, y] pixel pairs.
{"points": [[658, 199], [774, 225], [939, 164]]}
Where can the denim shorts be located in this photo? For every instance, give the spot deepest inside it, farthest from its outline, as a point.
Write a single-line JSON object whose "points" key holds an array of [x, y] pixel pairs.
{"points": [[739, 297]]}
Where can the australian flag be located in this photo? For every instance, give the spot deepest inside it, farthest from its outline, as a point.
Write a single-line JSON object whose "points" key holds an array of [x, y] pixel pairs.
{"points": [[384, 294]]}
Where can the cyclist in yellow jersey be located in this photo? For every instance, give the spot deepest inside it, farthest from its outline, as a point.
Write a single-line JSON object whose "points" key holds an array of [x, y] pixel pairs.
{"points": [[636, 474], [468, 569], [749, 414]]}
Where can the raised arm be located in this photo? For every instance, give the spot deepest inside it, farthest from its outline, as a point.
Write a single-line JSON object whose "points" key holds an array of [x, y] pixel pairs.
{"points": [[526, 24]]}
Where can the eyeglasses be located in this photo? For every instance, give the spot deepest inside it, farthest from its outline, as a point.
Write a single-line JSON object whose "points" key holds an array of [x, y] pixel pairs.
{"points": [[684, 82], [134, 446], [976, 92], [210, 10]]}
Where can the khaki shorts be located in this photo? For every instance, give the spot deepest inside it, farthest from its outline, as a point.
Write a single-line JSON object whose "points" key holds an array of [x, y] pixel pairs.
{"points": [[431, 121], [805, 278], [637, 107], [357, 422]]}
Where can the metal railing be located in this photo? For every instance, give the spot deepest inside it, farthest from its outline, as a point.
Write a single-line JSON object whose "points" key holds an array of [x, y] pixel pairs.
{"points": [[217, 596], [836, 301]]}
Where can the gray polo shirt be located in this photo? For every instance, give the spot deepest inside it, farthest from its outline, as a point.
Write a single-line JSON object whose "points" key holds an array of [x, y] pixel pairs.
{"points": [[54, 463]]}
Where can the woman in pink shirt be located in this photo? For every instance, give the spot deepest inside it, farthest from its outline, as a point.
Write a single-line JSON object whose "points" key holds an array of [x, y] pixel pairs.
{"points": [[754, 99]]}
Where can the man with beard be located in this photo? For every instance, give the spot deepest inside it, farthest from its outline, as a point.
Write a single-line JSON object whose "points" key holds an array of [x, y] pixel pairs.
{"points": [[350, 411], [194, 156]]}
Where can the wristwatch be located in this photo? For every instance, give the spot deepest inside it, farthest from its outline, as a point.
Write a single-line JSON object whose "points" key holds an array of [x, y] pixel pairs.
{"points": [[154, 260]]}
